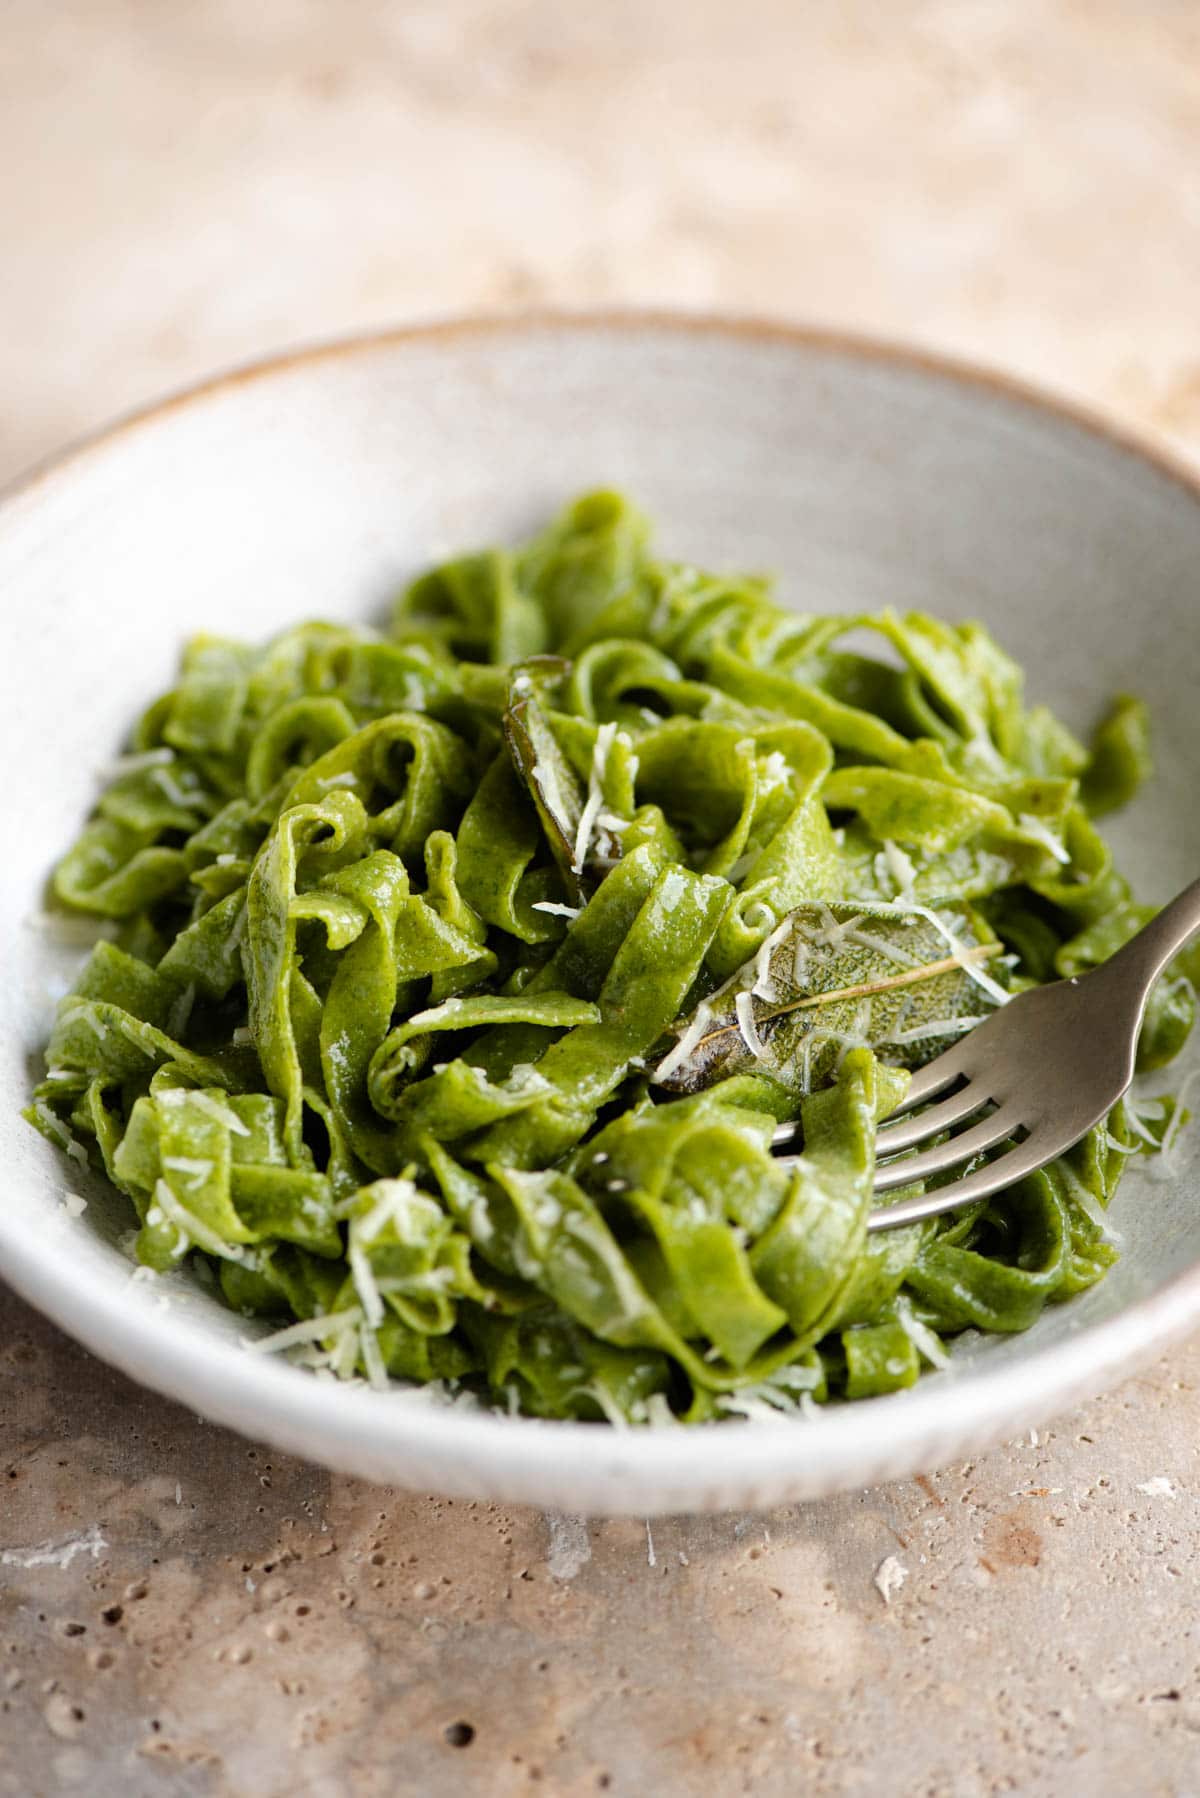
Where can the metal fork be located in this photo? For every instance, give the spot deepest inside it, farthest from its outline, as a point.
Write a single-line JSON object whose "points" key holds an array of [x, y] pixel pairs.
{"points": [[1049, 1065]]}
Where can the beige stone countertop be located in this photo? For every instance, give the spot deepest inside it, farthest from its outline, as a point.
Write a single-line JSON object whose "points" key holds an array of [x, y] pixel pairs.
{"points": [[184, 185]]}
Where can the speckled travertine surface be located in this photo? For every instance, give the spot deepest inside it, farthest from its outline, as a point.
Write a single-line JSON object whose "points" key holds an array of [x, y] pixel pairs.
{"points": [[183, 1612], [184, 186]]}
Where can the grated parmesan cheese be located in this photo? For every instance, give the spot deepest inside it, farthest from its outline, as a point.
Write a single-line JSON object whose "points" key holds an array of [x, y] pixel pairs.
{"points": [[60, 1134], [900, 866], [923, 1339], [205, 1101], [775, 770], [916, 1033], [744, 1007], [981, 745], [197, 1169], [1120, 1148], [856, 1037], [675, 1058], [867, 939], [185, 797], [890, 1575], [181, 1011], [136, 763], [193, 1228], [1041, 832], [1087, 1201], [763, 986], [801, 956], [754, 1410], [364, 1283], [399, 1204], [594, 803], [345, 1354], [787, 1391], [309, 1329], [1166, 1161], [1137, 1112], [957, 947], [377, 1375], [600, 1394]]}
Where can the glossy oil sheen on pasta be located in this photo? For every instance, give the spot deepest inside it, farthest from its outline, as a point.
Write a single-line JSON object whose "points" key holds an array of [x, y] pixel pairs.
{"points": [[455, 979]]}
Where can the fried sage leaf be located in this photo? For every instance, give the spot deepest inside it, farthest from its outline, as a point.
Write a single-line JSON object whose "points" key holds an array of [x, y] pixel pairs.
{"points": [[904, 982]]}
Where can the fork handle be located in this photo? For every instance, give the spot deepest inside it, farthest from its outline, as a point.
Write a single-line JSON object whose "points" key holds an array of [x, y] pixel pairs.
{"points": [[1138, 965]]}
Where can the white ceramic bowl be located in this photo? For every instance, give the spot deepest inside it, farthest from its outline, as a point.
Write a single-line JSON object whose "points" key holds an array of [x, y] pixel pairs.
{"points": [[313, 486]]}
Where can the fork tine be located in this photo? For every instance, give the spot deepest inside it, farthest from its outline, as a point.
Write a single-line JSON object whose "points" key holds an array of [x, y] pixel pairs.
{"points": [[1006, 1170], [994, 1129], [915, 1128], [934, 1077]]}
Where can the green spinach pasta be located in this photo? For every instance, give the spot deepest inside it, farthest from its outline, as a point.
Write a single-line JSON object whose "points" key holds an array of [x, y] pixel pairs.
{"points": [[453, 980]]}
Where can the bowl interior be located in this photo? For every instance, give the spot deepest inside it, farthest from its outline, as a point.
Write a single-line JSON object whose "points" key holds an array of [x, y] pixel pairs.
{"points": [[313, 488]]}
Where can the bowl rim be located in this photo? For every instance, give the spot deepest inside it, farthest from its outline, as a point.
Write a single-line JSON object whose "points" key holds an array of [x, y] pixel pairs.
{"points": [[762, 328], [596, 1469]]}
